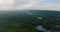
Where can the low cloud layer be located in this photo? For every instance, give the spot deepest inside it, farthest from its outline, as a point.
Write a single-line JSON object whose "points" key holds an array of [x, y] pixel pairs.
{"points": [[29, 4]]}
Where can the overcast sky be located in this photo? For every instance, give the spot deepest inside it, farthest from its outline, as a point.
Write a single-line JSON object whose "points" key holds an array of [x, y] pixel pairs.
{"points": [[30, 4]]}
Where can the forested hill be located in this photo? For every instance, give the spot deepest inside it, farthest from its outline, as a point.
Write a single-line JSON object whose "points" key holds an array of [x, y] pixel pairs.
{"points": [[46, 12], [25, 21], [39, 12]]}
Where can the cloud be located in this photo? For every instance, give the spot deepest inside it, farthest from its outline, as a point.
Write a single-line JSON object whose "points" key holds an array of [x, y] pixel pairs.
{"points": [[6, 1], [6, 4], [48, 6], [43, 5], [29, 4], [16, 4]]}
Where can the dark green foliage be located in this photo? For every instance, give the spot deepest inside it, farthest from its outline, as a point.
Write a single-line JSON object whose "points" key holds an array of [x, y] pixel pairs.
{"points": [[20, 21]]}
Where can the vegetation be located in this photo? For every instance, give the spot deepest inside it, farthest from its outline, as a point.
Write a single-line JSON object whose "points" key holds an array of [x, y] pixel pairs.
{"points": [[20, 21]]}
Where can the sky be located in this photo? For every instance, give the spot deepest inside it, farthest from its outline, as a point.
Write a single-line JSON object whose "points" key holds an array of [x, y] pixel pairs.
{"points": [[29, 4]]}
